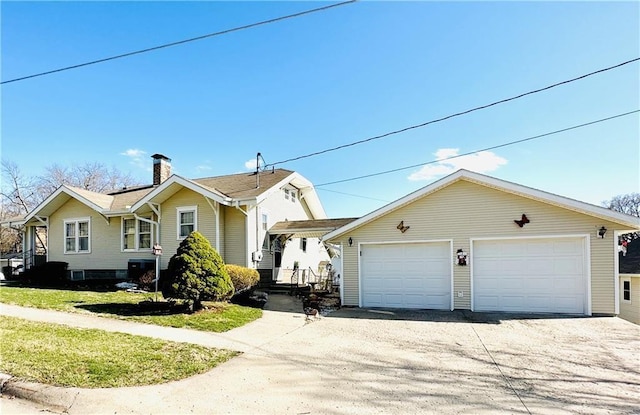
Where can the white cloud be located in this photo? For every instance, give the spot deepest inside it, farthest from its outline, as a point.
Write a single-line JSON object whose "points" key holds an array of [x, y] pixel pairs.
{"points": [[481, 162], [203, 167], [135, 158], [250, 164], [134, 153]]}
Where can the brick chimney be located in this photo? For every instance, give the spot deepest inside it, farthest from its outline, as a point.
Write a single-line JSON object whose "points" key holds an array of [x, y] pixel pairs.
{"points": [[161, 168]]}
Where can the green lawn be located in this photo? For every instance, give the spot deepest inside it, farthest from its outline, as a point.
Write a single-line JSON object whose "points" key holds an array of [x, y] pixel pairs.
{"points": [[63, 356], [218, 317]]}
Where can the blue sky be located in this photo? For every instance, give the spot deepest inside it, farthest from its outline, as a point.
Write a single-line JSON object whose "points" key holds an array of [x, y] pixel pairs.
{"points": [[314, 82]]}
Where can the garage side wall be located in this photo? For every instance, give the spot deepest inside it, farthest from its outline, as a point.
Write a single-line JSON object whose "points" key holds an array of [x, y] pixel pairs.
{"points": [[630, 309], [466, 210]]}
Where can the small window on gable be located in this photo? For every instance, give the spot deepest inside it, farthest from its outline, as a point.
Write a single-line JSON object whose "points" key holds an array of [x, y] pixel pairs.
{"points": [[286, 194], [293, 196], [626, 290], [187, 221]]}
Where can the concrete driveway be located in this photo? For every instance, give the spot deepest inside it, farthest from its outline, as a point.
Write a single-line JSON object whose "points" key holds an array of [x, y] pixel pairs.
{"points": [[365, 361]]}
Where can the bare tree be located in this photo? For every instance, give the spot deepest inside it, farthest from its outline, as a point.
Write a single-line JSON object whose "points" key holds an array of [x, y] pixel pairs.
{"points": [[19, 194], [629, 204], [17, 197], [89, 176]]}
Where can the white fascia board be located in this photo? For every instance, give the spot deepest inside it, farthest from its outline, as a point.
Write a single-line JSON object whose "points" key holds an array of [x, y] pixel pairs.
{"points": [[191, 185], [556, 200], [11, 223], [69, 192], [509, 187]]}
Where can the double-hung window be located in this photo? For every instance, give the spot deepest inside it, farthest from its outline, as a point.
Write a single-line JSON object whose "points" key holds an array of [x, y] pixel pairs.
{"points": [[187, 221], [626, 290], [77, 236], [136, 234]]}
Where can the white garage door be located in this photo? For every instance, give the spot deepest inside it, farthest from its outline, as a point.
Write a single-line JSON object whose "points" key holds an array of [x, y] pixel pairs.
{"points": [[415, 275], [530, 275]]}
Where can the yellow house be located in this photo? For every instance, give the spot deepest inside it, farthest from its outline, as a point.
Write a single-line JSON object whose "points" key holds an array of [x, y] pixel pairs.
{"points": [[106, 235], [470, 241]]}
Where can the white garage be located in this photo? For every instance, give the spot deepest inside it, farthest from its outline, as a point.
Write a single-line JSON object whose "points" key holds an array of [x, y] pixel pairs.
{"points": [[540, 275], [406, 275]]}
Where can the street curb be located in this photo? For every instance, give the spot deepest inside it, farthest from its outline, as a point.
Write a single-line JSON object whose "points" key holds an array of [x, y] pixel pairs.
{"points": [[53, 397]]}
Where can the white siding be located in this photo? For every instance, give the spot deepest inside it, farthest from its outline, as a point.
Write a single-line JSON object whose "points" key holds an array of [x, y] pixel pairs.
{"points": [[280, 209]]}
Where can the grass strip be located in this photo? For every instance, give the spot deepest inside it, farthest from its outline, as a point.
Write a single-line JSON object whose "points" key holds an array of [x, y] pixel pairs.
{"points": [[89, 358], [218, 317]]}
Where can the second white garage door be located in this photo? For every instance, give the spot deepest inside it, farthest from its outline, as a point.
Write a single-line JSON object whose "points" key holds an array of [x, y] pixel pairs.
{"points": [[541, 275], [407, 275]]}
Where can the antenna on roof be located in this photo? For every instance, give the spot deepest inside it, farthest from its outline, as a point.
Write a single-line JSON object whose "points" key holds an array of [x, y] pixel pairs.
{"points": [[258, 157]]}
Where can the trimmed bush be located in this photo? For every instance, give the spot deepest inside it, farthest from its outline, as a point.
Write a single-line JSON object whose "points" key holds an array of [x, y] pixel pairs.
{"points": [[243, 278], [196, 273]]}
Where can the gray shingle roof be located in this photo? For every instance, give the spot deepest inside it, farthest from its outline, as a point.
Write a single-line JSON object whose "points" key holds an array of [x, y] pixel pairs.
{"points": [[243, 185]]}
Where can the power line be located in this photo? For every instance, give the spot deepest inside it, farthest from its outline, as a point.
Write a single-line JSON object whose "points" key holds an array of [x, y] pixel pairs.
{"points": [[180, 42], [354, 195], [502, 101], [484, 149]]}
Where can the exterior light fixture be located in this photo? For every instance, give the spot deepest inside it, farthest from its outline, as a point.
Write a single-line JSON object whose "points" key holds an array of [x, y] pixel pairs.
{"points": [[461, 255], [601, 232], [350, 241]]}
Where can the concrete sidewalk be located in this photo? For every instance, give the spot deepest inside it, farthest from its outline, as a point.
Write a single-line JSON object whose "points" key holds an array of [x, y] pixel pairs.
{"points": [[282, 314]]}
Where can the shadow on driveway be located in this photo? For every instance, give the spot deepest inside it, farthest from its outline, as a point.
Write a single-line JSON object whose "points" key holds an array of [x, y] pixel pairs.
{"points": [[455, 316]]}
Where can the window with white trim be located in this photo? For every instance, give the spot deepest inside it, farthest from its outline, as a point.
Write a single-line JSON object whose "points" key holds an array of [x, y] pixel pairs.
{"points": [[626, 291], [187, 221], [294, 194], [136, 234], [286, 194], [77, 236]]}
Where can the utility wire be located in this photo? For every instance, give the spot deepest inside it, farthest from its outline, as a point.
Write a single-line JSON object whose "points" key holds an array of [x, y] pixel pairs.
{"points": [[484, 149], [180, 42], [354, 195], [502, 101]]}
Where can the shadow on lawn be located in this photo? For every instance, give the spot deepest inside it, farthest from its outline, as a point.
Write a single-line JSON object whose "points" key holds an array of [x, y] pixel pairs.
{"points": [[141, 309]]}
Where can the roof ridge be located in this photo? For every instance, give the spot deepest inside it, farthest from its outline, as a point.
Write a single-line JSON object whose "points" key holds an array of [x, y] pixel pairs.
{"points": [[248, 173]]}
